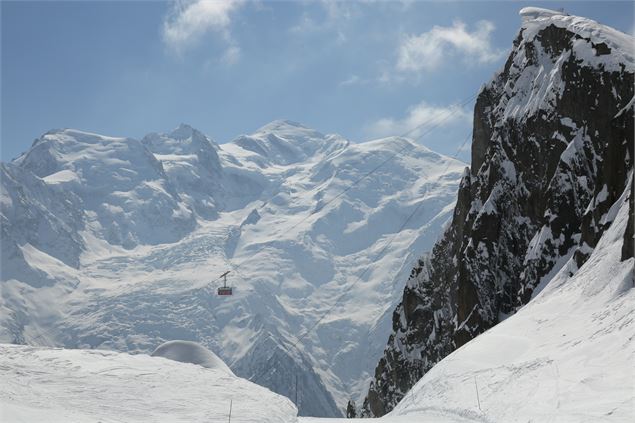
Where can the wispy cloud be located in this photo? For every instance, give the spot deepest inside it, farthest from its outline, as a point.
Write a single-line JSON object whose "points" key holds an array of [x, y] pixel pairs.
{"points": [[353, 80], [190, 20], [231, 55], [339, 10], [332, 19], [418, 119], [429, 50]]}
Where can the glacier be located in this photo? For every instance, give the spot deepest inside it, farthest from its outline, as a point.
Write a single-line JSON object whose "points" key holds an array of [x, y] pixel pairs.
{"points": [[117, 243]]}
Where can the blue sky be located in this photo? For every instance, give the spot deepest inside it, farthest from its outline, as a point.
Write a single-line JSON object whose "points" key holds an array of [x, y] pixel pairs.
{"points": [[360, 69]]}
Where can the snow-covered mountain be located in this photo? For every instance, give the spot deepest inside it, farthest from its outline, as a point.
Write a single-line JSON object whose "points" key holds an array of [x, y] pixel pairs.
{"points": [[111, 243], [66, 385], [552, 157]]}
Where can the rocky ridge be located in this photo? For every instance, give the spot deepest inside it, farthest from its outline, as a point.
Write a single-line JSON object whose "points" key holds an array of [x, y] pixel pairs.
{"points": [[552, 152]]}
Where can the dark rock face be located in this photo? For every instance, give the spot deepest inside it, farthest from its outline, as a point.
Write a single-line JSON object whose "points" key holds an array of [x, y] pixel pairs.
{"points": [[351, 410], [551, 153]]}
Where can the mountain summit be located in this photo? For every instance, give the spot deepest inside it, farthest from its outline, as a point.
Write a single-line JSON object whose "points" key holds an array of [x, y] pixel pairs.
{"points": [[284, 142]]}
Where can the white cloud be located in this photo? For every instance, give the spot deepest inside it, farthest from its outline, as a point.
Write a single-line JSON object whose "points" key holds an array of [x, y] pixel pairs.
{"points": [[429, 50], [338, 10], [232, 55], [333, 19], [190, 20], [419, 119], [307, 25], [353, 80]]}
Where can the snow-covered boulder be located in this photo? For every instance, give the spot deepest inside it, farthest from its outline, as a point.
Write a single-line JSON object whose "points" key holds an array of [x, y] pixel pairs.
{"points": [[191, 352]]}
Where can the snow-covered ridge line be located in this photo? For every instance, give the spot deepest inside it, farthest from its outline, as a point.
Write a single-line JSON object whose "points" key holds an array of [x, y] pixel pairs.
{"points": [[621, 53]]}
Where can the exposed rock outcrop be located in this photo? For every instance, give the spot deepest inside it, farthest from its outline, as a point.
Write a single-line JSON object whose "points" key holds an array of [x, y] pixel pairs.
{"points": [[551, 153]]}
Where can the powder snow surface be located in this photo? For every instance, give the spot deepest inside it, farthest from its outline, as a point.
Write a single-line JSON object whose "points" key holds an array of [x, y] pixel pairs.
{"points": [[58, 385]]}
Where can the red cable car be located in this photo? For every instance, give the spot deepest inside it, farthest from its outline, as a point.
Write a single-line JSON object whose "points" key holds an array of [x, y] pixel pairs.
{"points": [[224, 290]]}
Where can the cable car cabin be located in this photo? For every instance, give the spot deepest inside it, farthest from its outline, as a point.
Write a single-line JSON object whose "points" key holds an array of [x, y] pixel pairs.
{"points": [[225, 290]]}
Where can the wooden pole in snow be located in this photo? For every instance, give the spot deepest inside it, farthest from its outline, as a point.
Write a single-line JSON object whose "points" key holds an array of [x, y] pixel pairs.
{"points": [[478, 400], [296, 388], [230, 411]]}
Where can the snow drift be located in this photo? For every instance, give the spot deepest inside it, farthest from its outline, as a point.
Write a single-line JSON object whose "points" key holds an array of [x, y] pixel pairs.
{"points": [[191, 352]]}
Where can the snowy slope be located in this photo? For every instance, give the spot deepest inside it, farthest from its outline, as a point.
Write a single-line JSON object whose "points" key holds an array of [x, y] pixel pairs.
{"points": [[111, 243], [567, 356], [59, 385]]}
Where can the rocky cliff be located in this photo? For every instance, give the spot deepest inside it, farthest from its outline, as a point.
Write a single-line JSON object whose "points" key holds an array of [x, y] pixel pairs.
{"points": [[552, 151]]}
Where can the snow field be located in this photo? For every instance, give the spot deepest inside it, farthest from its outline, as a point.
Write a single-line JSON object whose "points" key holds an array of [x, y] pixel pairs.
{"points": [[61, 385]]}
